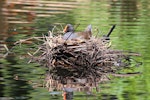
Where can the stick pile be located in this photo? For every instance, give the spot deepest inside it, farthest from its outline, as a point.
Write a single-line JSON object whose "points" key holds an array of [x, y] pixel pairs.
{"points": [[80, 61]]}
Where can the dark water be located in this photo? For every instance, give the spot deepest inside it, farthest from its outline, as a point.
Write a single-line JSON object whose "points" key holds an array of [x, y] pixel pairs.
{"points": [[21, 19]]}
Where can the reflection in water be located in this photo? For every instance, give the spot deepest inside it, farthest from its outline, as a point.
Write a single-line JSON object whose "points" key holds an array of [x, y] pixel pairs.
{"points": [[13, 88], [3, 26], [20, 14], [36, 16], [3, 29], [127, 10]]}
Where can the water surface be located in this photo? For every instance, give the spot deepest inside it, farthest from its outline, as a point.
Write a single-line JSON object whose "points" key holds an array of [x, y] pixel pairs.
{"points": [[23, 19]]}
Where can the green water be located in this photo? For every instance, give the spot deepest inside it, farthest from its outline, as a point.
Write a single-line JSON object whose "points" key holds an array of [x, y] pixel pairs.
{"points": [[22, 81]]}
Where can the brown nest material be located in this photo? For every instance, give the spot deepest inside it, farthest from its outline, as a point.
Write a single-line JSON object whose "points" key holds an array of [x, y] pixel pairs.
{"points": [[79, 61]]}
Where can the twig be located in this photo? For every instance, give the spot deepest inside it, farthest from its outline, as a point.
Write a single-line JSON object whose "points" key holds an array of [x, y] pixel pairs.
{"points": [[23, 40]]}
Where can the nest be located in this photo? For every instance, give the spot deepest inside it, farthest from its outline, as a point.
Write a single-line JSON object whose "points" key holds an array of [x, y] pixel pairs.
{"points": [[80, 62]]}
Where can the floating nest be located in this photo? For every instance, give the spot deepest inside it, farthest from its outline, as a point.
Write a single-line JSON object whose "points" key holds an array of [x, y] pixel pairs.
{"points": [[80, 63]]}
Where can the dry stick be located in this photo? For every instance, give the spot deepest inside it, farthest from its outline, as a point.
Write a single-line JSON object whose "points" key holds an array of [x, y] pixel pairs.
{"points": [[98, 32], [8, 51], [53, 29], [23, 40], [61, 26], [58, 29], [123, 75]]}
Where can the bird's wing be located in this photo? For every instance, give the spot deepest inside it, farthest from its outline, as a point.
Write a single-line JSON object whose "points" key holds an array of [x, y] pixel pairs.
{"points": [[70, 35]]}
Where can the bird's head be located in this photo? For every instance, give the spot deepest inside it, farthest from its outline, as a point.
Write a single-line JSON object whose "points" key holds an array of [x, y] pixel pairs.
{"points": [[68, 28]]}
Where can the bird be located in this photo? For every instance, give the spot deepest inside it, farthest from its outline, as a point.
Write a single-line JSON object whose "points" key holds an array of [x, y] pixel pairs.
{"points": [[71, 34]]}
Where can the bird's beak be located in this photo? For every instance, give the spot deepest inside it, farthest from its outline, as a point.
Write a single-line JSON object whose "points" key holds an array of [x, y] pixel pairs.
{"points": [[65, 29]]}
